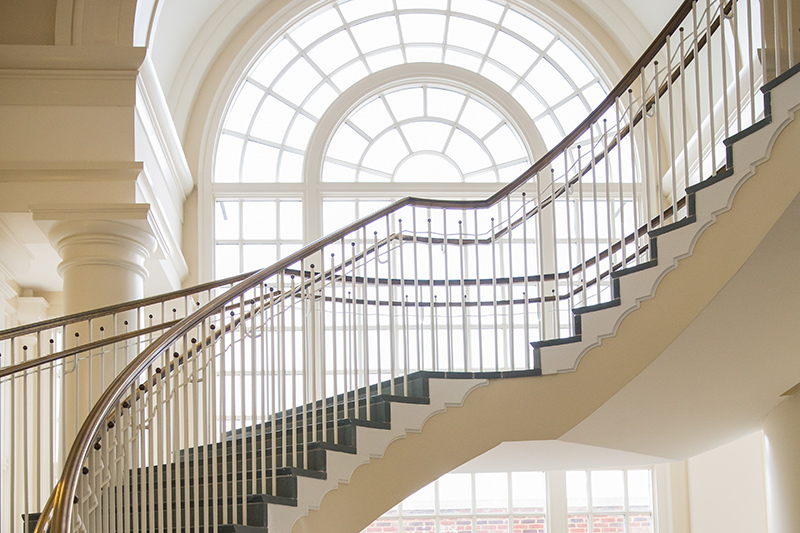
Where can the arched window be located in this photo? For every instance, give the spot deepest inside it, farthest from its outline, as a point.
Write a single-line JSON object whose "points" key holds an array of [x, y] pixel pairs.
{"points": [[361, 102]]}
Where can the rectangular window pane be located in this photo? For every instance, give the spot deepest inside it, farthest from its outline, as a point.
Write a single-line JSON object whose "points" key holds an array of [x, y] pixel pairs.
{"points": [[226, 220], [640, 523], [226, 260], [421, 502], [291, 219], [608, 488], [258, 220], [528, 524], [494, 524], [578, 524], [450, 524], [639, 490], [455, 494], [419, 525], [258, 256], [608, 523], [577, 497], [529, 492], [491, 492]]}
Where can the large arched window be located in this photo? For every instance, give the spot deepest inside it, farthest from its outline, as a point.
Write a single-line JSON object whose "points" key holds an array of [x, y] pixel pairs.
{"points": [[361, 102]]}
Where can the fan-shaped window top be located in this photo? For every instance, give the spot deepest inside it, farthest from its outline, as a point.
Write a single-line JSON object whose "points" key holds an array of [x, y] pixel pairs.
{"points": [[268, 126]]}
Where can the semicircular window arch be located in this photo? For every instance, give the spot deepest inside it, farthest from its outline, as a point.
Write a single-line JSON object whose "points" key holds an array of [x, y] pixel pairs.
{"points": [[268, 125]]}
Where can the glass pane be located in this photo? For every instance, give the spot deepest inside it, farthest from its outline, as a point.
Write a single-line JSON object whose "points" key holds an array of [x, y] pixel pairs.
{"points": [[491, 492], [578, 524], [577, 498], [422, 28], [291, 220], [383, 525], [421, 502], [493, 524], [513, 53], [260, 163], [640, 523], [639, 490], [419, 525], [608, 488], [258, 220], [226, 260], [549, 82], [528, 491], [258, 256], [452, 524], [337, 214], [226, 220], [455, 494], [528, 524], [608, 523], [376, 34]]}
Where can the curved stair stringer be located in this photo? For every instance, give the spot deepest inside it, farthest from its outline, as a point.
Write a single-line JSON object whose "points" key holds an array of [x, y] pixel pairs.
{"points": [[746, 153], [371, 443]]}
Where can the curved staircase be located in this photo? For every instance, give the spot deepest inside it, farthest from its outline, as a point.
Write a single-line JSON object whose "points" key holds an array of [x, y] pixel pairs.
{"points": [[296, 400]]}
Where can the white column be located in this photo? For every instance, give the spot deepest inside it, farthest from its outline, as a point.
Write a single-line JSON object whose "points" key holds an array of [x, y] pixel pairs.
{"points": [[102, 262], [782, 456]]}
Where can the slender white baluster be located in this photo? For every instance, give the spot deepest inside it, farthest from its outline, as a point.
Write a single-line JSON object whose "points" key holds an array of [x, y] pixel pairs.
{"points": [[609, 206], [737, 64], [592, 160], [379, 363], [684, 104], [540, 257], [417, 295], [365, 318], [223, 365], [671, 113], [404, 307], [477, 289], [354, 330], [659, 177], [255, 333], [334, 354], [448, 305], [618, 139], [724, 59], [635, 197], [510, 285], [323, 360], [557, 300], [712, 130], [750, 63], [648, 197], [790, 29], [390, 302], [582, 239], [463, 286], [526, 275], [494, 296], [312, 360], [272, 413], [434, 355], [293, 335], [567, 189]]}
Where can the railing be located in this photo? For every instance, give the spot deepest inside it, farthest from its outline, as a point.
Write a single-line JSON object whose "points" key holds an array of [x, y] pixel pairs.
{"points": [[52, 373], [420, 285]]}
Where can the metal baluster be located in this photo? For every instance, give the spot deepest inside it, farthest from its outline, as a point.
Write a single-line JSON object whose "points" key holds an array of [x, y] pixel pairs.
{"points": [[365, 319], [478, 290], [684, 134], [567, 188], [335, 421], [594, 214], [724, 59], [494, 297], [354, 334], [434, 355], [526, 275], [750, 63], [510, 285], [671, 124], [631, 118], [463, 286], [224, 411], [581, 240], [540, 257], [312, 361], [659, 182], [737, 64], [557, 301], [646, 149], [448, 305], [712, 130], [293, 332], [404, 307], [390, 301], [417, 295], [379, 364], [618, 138]]}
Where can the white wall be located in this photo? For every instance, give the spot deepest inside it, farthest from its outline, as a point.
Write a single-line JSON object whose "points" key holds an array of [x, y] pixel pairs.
{"points": [[726, 488]]}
